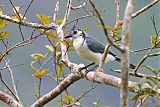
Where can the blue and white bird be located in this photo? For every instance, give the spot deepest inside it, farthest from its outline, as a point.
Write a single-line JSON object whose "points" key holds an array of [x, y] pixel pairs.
{"points": [[90, 48]]}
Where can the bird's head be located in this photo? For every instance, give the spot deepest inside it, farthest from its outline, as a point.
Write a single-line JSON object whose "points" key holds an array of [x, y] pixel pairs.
{"points": [[75, 34]]}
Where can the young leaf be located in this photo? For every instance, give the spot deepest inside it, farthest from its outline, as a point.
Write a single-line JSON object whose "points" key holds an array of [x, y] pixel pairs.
{"points": [[44, 18], [3, 23], [60, 69], [58, 56], [155, 40], [16, 9], [151, 69], [50, 48], [4, 35], [1, 9], [85, 29], [40, 73], [69, 97], [37, 56], [107, 27], [77, 103], [51, 35], [142, 81], [59, 21], [135, 97]]}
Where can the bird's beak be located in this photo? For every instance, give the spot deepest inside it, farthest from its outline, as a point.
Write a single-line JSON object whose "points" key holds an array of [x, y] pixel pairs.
{"points": [[69, 36]]}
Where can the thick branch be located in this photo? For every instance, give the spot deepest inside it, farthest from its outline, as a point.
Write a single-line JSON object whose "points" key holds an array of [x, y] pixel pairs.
{"points": [[9, 100], [125, 53], [97, 77], [70, 79], [28, 24]]}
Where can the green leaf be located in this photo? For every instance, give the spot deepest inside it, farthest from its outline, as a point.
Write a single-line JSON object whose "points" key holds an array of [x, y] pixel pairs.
{"points": [[85, 29], [60, 69], [50, 48], [3, 23], [117, 28], [97, 102], [44, 18], [51, 35], [155, 40], [141, 97], [59, 21], [153, 80], [69, 97], [143, 80], [77, 103], [58, 56], [4, 35], [151, 69], [135, 97], [107, 27], [37, 56]]}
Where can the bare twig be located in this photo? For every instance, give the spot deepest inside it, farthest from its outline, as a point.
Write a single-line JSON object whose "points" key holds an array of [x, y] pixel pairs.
{"points": [[104, 56], [80, 6], [28, 8], [13, 82], [125, 53], [81, 17], [56, 11], [65, 19], [144, 49], [10, 66], [7, 86], [140, 75], [144, 8], [117, 10]]}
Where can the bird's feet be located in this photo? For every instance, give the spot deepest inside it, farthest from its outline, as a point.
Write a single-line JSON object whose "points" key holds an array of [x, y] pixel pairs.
{"points": [[86, 68]]}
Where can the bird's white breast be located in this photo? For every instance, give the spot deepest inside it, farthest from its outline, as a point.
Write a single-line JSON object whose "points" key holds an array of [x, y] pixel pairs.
{"points": [[83, 51]]}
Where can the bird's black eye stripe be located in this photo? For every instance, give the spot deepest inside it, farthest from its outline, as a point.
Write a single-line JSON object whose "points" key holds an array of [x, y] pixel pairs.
{"points": [[74, 32]]}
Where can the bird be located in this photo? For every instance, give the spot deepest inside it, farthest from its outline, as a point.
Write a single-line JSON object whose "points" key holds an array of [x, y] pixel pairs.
{"points": [[90, 48]]}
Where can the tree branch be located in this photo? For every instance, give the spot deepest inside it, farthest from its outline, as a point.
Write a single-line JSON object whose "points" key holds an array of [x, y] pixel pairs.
{"points": [[80, 6], [125, 53], [144, 8], [28, 24], [9, 100], [97, 77], [70, 79]]}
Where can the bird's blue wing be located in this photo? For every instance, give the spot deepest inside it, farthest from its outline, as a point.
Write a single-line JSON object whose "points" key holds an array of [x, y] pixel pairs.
{"points": [[96, 46]]}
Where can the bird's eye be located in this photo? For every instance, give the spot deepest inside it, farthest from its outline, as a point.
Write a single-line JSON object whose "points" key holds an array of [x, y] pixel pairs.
{"points": [[74, 32]]}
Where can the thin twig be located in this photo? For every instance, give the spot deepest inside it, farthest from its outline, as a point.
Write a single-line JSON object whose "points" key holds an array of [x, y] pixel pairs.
{"points": [[7, 86], [117, 2], [10, 66], [80, 6], [140, 75], [152, 3], [103, 60], [13, 81], [56, 11], [28, 8]]}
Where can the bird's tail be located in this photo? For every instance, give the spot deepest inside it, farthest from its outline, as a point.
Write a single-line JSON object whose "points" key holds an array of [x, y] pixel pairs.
{"points": [[131, 65]]}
